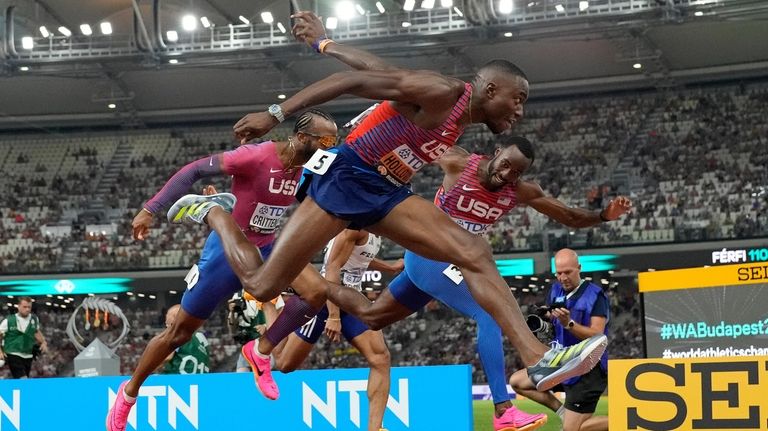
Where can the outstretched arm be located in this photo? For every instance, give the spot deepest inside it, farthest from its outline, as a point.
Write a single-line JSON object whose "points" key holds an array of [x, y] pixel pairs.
{"points": [[309, 29], [530, 193], [175, 188], [430, 91]]}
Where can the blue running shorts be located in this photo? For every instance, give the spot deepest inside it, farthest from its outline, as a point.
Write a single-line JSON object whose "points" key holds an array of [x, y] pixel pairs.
{"points": [[212, 280]]}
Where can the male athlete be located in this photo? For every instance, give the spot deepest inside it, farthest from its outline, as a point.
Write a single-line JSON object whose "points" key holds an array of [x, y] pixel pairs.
{"points": [[365, 185], [346, 258], [476, 192], [265, 181]]}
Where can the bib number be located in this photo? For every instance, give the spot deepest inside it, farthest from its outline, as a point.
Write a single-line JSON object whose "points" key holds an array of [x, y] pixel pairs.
{"points": [[192, 276], [320, 162], [454, 274]]}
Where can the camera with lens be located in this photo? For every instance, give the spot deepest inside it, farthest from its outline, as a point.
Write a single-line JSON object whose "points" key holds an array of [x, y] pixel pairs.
{"points": [[538, 322]]}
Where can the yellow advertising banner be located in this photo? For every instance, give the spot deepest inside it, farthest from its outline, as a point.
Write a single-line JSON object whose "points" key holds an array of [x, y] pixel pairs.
{"points": [[711, 276], [724, 394]]}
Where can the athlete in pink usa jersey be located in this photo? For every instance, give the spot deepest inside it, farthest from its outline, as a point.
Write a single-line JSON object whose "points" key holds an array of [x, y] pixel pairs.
{"points": [[476, 193], [264, 181], [364, 185]]}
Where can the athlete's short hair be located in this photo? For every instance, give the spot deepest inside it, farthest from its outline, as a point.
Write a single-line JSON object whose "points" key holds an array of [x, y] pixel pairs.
{"points": [[503, 66], [306, 117], [523, 144]]}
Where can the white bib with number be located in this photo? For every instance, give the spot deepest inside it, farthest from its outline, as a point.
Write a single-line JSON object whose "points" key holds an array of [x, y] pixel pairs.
{"points": [[320, 161], [454, 274]]}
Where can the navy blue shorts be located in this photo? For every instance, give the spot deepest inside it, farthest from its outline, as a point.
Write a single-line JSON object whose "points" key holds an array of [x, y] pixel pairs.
{"points": [[351, 327], [212, 280], [353, 190]]}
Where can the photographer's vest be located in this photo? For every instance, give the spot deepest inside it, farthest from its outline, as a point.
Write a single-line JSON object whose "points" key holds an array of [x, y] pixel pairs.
{"points": [[581, 313], [191, 358], [20, 343]]}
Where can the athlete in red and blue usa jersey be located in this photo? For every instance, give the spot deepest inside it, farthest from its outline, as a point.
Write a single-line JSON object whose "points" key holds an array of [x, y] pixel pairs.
{"points": [[476, 193], [364, 185]]}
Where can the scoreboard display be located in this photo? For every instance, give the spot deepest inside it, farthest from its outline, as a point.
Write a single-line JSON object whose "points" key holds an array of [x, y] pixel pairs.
{"points": [[706, 312]]}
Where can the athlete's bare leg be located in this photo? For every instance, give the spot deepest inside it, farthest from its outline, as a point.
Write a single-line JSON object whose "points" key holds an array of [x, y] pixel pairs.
{"points": [[379, 314], [305, 233], [371, 344], [292, 355], [160, 346], [594, 423], [419, 226], [522, 385]]}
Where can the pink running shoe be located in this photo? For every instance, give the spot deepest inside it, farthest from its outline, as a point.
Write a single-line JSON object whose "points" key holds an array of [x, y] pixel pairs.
{"points": [[118, 414], [518, 420], [262, 372]]}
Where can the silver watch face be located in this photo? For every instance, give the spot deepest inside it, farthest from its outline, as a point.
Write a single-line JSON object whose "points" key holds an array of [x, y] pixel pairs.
{"points": [[274, 109]]}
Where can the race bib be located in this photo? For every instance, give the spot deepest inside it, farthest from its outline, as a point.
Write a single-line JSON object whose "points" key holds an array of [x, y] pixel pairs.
{"points": [[454, 274], [192, 276], [320, 162], [266, 218], [399, 165], [353, 279]]}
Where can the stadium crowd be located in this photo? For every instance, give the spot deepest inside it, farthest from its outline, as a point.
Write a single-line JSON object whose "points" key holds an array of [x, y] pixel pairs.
{"points": [[692, 161]]}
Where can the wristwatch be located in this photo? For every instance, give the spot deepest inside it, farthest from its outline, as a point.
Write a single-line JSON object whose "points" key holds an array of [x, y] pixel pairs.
{"points": [[571, 323], [277, 112]]}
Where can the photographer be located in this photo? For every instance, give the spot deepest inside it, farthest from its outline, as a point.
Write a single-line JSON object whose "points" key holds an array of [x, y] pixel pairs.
{"points": [[21, 339], [578, 310], [247, 321]]}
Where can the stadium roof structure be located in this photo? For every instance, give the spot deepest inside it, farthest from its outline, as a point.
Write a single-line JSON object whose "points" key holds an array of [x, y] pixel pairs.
{"points": [[154, 68]]}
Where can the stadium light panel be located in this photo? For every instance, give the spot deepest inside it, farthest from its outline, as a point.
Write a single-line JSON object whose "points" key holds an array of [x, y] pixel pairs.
{"points": [[409, 5], [331, 23], [698, 13], [428, 4], [27, 42], [446, 3], [204, 21], [560, 8], [637, 66], [281, 27], [458, 11], [173, 61], [24, 68], [267, 18], [505, 6], [172, 36], [345, 10], [583, 5], [86, 30], [189, 23], [360, 9], [111, 106], [508, 34], [406, 24], [244, 20], [44, 31], [380, 7], [281, 96], [106, 28], [65, 31]]}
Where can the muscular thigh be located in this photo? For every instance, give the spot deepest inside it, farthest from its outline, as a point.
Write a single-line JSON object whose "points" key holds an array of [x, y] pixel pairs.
{"points": [[420, 226], [305, 233]]}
